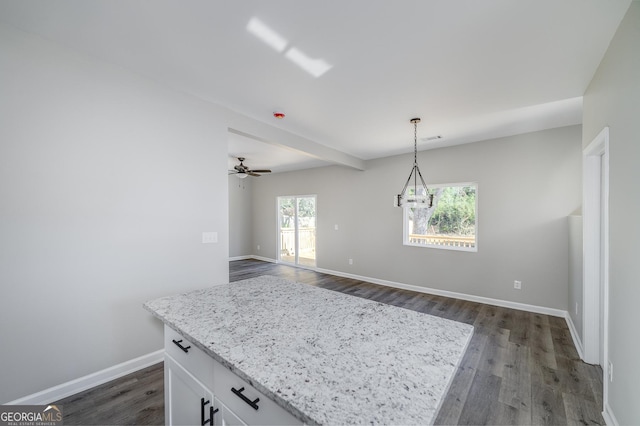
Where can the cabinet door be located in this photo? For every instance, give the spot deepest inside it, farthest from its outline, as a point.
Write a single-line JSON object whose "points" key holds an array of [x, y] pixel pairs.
{"points": [[227, 417], [187, 401]]}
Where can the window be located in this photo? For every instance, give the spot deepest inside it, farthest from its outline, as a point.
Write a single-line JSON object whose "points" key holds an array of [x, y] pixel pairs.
{"points": [[449, 224]]}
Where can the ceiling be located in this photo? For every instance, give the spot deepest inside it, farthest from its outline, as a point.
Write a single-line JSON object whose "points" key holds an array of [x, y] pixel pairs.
{"points": [[351, 74], [260, 155]]}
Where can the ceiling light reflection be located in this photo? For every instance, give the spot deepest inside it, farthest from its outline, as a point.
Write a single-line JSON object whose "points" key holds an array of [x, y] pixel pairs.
{"points": [[315, 67], [267, 35]]}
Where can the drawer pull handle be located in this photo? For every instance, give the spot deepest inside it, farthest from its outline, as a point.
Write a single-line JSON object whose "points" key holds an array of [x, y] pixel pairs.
{"points": [[211, 412], [177, 342], [253, 404]]}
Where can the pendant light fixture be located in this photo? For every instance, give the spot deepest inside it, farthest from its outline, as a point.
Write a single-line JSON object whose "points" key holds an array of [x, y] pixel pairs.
{"points": [[415, 199]]}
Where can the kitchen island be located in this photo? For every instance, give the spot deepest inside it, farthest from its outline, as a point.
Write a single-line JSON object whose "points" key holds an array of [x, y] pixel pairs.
{"points": [[321, 356]]}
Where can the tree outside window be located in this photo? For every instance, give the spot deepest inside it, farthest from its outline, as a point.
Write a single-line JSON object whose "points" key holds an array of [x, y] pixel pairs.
{"points": [[449, 224]]}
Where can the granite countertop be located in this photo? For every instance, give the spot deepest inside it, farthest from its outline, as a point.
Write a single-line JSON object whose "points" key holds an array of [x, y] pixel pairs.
{"points": [[326, 357]]}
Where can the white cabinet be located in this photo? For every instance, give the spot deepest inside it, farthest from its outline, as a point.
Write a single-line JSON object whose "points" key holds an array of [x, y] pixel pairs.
{"points": [[249, 404], [190, 357], [227, 417], [187, 401], [199, 390], [188, 383]]}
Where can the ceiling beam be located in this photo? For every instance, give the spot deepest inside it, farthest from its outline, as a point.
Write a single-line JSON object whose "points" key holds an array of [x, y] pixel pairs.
{"points": [[263, 132]]}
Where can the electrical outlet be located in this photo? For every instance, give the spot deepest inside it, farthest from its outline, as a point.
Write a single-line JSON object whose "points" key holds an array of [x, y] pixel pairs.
{"points": [[610, 371], [335, 227], [258, 246], [576, 308], [350, 261], [517, 285]]}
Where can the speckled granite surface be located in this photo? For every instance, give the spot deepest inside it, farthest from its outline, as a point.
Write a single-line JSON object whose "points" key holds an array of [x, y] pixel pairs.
{"points": [[326, 357]]}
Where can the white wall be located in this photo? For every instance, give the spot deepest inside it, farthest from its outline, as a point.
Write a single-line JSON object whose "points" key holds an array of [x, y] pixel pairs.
{"points": [[613, 99], [575, 273], [107, 181], [240, 225], [527, 186]]}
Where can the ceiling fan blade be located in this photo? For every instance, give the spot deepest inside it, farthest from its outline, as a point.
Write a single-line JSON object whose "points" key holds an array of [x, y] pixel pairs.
{"points": [[261, 171], [251, 173]]}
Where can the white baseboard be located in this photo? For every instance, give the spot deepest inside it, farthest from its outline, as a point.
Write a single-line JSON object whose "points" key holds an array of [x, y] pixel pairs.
{"points": [[608, 416], [264, 259], [251, 256], [231, 259], [577, 342], [480, 299], [72, 387]]}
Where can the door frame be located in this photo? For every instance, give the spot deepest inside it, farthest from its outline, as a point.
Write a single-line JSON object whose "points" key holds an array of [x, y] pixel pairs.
{"points": [[596, 254], [296, 236]]}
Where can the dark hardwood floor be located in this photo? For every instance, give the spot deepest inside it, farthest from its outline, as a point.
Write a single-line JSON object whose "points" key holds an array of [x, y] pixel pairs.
{"points": [[520, 368], [135, 399]]}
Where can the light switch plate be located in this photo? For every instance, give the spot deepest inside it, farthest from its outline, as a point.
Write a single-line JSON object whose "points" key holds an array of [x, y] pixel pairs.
{"points": [[209, 237]]}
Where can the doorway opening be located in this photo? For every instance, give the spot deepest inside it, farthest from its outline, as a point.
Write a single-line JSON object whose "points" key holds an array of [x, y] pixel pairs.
{"points": [[297, 230]]}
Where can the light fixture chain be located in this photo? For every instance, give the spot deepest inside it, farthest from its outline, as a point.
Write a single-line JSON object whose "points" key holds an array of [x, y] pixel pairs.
{"points": [[415, 142], [415, 173]]}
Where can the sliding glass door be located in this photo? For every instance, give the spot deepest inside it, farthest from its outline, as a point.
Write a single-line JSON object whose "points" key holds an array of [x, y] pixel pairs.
{"points": [[297, 230]]}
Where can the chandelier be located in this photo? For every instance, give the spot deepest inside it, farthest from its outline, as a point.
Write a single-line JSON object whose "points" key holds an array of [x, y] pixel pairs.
{"points": [[415, 199]]}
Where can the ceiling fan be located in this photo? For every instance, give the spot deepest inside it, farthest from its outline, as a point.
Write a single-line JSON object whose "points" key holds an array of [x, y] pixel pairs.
{"points": [[241, 171]]}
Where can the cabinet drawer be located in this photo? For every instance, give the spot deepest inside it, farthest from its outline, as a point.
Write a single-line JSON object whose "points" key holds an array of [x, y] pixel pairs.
{"points": [[268, 412], [194, 360]]}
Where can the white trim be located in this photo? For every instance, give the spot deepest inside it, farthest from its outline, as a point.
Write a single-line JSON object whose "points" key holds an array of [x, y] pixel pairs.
{"points": [[575, 336], [405, 221], [608, 416], [80, 384], [595, 166], [480, 299], [264, 259], [253, 256], [596, 177], [234, 258]]}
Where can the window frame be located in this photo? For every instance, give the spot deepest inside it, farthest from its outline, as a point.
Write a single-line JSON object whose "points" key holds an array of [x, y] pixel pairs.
{"points": [[405, 218]]}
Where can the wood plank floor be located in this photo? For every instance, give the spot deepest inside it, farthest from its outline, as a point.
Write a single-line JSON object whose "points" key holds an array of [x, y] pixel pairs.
{"points": [[520, 368], [135, 399]]}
